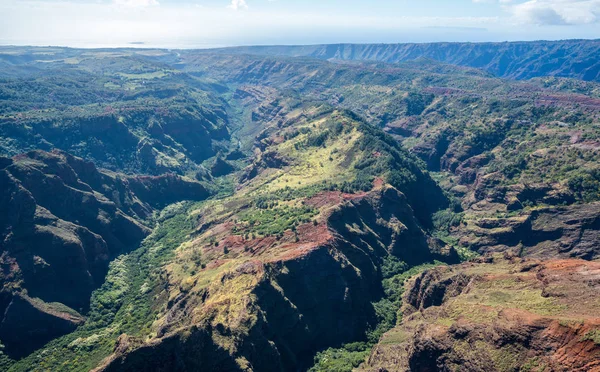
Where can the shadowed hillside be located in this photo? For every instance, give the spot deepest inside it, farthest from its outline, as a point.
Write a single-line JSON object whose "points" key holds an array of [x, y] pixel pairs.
{"points": [[385, 207], [515, 60]]}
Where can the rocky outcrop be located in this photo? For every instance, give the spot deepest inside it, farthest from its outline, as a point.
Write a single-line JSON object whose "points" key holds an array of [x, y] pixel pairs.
{"points": [[55, 186], [435, 287], [28, 323], [160, 191], [270, 313], [384, 220], [221, 167], [567, 231], [468, 169], [511, 314], [519, 60], [194, 350], [67, 220], [264, 161]]}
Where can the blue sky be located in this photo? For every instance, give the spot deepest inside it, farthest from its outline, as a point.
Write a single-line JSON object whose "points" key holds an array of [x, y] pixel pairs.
{"points": [[198, 23]]}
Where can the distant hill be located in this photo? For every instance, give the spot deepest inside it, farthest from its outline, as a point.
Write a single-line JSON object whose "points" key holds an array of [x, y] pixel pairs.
{"points": [[579, 59]]}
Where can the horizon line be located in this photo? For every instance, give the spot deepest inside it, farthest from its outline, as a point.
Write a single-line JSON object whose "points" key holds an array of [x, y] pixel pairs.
{"points": [[141, 45]]}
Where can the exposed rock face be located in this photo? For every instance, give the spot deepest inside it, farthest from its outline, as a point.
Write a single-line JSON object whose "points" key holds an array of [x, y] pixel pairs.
{"points": [[266, 160], [520, 60], [142, 141], [385, 220], [160, 191], [50, 255], [432, 151], [28, 324], [65, 220], [467, 170], [497, 316], [194, 350], [55, 186], [221, 168], [570, 231], [434, 288], [280, 314], [291, 263]]}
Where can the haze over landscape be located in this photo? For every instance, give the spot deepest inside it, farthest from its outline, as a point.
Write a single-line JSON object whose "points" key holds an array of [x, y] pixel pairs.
{"points": [[276, 185], [209, 23]]}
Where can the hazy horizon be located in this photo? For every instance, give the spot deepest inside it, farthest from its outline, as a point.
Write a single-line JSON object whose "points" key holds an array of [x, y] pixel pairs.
{"points": [[189, 24], [193, 46]]}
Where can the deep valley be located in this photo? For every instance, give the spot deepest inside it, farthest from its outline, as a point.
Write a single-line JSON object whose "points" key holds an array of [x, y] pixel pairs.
{"points": [[416, 207]]}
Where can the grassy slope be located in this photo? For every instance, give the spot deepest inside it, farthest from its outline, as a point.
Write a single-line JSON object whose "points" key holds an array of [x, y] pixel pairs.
{"points": [[325, 150], [503, 296], [125, 303], [539, 149]]}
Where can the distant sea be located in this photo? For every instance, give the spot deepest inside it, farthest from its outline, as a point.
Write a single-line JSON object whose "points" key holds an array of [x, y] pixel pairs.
{"points": [[100, 45]]}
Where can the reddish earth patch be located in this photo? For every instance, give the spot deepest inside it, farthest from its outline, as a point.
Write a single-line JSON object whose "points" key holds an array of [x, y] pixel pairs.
{"points": [[310, 237], [569, 100], [378, 183], [564, 341], [330, 198], [588, 145]]}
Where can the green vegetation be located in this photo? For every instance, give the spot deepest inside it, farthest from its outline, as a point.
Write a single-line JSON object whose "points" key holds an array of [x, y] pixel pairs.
{"points": [[307, 130], [586, 185], [395, 274], [593, 335], [344, 359], [534, 364], [417, 102], [5, 361], [276, 220], [126, 302]]}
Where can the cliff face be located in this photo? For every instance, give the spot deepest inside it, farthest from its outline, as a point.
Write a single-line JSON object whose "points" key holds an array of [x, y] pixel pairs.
{"points": [[518, 60], [273, 313], [149, 136], [28, 324], [550, 232], [65, 221], [495, 315], [307, 247], [265, 277]]}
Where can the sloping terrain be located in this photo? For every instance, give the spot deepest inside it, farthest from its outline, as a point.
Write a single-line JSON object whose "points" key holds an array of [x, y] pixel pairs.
{"points": [[499, 315], [514, 155], [132, 116], [516, 60], [216, 210], [64, 221], [249, 275]]}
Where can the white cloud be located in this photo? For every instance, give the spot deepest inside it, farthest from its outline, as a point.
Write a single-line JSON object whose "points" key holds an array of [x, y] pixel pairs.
{"points": [[238, 4], [184, 24], [556, 12]]}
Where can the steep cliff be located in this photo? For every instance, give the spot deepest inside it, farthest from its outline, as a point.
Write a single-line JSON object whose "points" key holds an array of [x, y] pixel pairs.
{"points": [[325, 202], [270, 313], [517, 60], [500, 315], [65, 221]]}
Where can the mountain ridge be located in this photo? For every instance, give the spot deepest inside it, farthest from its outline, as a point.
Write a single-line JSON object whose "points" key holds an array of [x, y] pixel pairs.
{"points": [[503, 59], [284, 204]]}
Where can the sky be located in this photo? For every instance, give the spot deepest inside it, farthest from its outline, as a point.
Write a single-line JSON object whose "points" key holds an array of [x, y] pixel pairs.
{"points": [[215, 23]]}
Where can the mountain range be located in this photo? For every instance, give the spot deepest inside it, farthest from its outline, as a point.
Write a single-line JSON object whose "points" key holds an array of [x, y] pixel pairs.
{"points": [[410, 207]]}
